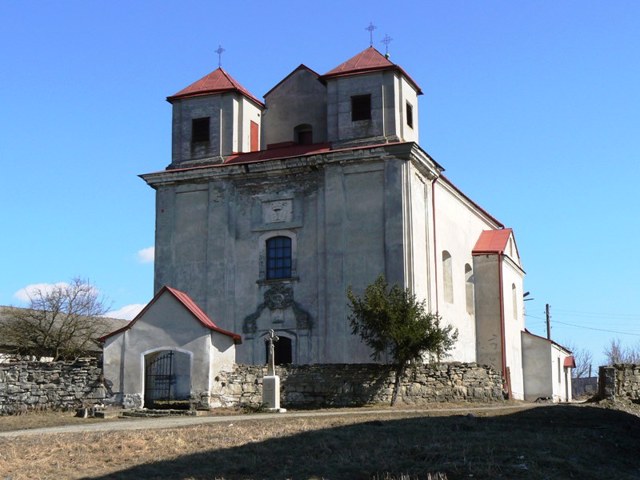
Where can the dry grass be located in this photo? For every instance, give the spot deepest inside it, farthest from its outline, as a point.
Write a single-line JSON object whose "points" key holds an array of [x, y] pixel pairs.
{"points": [[42, 420], [546, 442]]}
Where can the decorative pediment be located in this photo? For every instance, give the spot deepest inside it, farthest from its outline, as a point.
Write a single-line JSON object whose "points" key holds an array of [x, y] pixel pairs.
{"points": [[279, 299]]}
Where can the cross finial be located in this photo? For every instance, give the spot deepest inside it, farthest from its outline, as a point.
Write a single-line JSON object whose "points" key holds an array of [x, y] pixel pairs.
{"points": [[370, 29], [387, 40], [219, 52]]}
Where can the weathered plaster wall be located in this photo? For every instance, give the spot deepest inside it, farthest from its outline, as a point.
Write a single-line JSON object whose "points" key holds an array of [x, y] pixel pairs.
{"points": [[512, 276], [229, 114], [458, 226], [346, 227], [336, 385], [487, 310], [537, 365], [300, 99], [44, 386]]}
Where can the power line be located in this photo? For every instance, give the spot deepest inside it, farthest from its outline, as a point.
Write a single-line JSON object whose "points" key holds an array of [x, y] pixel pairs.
{"points": [[622, 316], [597, 329]]}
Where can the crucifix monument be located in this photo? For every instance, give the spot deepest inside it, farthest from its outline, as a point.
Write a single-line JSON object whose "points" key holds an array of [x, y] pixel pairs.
{"points": [[271, 381]]}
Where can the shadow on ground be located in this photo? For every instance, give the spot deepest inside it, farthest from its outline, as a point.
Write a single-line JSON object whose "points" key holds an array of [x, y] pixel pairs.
{"points": [[551, 442]]}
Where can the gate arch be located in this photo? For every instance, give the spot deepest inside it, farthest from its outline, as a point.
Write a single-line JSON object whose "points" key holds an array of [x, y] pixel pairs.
{"points": [[167, 379]]}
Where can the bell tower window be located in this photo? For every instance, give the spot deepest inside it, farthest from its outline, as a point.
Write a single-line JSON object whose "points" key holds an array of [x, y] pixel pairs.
{"points": [[409, 115], [360, 107], [200, 130]]}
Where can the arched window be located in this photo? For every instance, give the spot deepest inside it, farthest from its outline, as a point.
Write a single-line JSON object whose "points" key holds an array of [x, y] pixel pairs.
{"points": [[278, 257], [514, 300], [303, 134], [468, 277], [447, 276]]}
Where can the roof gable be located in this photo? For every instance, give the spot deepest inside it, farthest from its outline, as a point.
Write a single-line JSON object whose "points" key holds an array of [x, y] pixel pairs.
{"points": [[367, 61], [496, 242], [551, 342], [216, 82], [188, 304], [301, 68]]}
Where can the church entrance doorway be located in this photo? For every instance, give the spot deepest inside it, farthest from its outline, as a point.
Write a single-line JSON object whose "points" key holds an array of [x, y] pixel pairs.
{"points": [[282, 354], [167, 380]]}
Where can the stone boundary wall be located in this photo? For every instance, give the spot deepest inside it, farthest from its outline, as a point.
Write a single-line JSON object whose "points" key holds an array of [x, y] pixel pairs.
{"points": [[68, 385], [619, 382], [348, 385], [50, 386]]}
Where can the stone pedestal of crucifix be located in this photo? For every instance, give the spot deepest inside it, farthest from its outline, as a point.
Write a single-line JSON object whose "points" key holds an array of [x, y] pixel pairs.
{"points": [[271, 382]]}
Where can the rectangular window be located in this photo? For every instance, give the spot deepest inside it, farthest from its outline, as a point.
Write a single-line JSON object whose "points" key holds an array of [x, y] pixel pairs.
{"points": [[409, 115], [200, 130], [278, 258], [360, 107]]}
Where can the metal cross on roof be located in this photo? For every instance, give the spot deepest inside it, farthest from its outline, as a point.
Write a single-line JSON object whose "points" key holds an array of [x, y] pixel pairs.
{"points": [[387, 40], [219, 52], [371, 28]]}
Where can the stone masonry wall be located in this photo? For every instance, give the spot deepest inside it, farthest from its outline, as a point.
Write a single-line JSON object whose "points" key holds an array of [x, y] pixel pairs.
{"points": [[68, 385], [619, 381], [43, 386], [344, 385]]}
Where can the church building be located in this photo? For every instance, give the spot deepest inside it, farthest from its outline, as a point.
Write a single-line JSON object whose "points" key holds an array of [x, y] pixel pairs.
{"points": [[270, 209]]}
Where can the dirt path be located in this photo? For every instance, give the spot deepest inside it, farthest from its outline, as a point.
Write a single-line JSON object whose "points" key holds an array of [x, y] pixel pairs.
{"points": [[182, 421]]}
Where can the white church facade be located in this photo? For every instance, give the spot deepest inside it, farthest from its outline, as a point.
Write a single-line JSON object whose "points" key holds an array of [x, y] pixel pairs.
{"points": [[270, 210]]}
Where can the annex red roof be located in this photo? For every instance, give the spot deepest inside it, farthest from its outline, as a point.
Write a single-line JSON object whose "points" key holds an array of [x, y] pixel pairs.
{"points": [[217, 81], [492, 241], [367, 61], [569, 362], [189, 304]]}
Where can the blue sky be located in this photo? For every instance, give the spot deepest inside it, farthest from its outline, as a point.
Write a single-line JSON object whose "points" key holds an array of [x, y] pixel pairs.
{"points": [[532, 108]]}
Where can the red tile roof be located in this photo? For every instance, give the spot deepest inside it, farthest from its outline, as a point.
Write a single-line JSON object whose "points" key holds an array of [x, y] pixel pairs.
{"points": [[189, 304], [217, 81], [492, 241], [274, 153], [367, 61], [570, 362]]}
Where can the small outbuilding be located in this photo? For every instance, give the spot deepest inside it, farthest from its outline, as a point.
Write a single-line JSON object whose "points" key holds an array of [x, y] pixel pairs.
{"points": [[168, 355], [547, 369]]}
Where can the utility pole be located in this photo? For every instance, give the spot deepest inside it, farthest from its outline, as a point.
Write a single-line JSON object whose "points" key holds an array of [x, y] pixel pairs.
{"points": [[546, 309]]}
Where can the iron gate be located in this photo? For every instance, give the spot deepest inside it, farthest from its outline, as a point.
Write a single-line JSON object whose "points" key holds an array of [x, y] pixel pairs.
{"points": [[160, 381]]}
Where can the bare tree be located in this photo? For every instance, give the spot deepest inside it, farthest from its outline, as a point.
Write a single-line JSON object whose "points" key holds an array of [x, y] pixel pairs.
{"points": [[618, 353], [60, 322], [583, 359]]}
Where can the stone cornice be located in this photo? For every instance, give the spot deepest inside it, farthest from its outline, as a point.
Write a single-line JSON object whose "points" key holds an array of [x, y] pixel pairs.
{"points": [[292, 165]]}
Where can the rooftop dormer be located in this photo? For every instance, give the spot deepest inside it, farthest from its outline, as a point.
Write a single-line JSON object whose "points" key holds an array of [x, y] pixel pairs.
{"points": [[371, 100], [213, 118]]}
